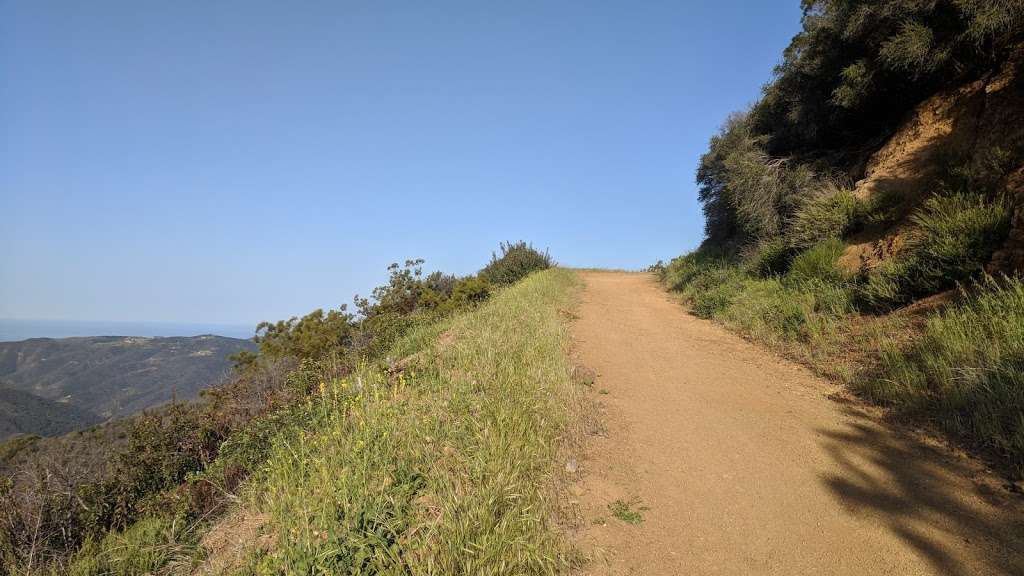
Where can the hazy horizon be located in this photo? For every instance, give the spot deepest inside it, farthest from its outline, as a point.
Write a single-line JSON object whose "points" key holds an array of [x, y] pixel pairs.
{"points": [[18, 329]]}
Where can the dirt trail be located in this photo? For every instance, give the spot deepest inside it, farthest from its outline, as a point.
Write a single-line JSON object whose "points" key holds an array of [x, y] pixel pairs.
{"points": [[748, 464]]}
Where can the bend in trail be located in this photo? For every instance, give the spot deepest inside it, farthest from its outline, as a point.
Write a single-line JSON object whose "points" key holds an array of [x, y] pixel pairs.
{"points": [[740, 463]]}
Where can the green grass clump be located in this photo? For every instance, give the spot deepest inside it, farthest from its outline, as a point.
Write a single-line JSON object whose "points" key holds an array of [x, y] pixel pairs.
{"points": [[953, 240], [766, 309], [682, 270], [829, 215], [966, 371], [772, 311], [803, 306], [443, 468], [818, 263], [958, 235], [626, 512], [770, 258], [149, 545]]}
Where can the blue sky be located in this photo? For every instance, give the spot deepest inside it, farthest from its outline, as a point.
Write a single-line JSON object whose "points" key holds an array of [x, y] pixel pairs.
{"points": [[238, 161]]}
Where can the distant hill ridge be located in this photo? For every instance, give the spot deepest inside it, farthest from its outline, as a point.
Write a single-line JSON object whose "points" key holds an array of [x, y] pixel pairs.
{"points": [[54, 385]]}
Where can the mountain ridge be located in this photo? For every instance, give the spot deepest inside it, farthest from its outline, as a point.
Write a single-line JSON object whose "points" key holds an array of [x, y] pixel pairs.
{"points": [[85, 380]]}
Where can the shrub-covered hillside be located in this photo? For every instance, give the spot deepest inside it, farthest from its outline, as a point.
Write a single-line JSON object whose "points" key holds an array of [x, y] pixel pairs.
{"points": [[394, 439], [865, 214]]}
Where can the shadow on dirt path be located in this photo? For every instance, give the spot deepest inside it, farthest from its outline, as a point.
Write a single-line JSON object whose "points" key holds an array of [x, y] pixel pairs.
{"points": [[914, 489]]}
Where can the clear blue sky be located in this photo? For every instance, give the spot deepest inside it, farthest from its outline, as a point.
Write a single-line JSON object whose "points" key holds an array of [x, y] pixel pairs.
{"points": [[239, 161]]}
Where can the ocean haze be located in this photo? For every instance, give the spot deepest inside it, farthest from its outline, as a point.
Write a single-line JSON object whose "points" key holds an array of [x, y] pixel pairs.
{"points": [[16, 329]]}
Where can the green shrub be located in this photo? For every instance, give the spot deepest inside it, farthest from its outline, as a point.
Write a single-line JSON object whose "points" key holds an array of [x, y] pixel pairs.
{"points": [[958, 235], [311, 336], [713, 289], [830, 298], [516, 262], [765, 309], [855, 86], [682, 270], [830, 215], [981, 171], [967, 370], [770, 257], [818, 263], [790, 309], [913, 50], [470, 291], [954, 239]]}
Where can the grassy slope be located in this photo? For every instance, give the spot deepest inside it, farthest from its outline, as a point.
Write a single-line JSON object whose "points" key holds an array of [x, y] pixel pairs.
{"points": [[446, 467], [441, 469]]}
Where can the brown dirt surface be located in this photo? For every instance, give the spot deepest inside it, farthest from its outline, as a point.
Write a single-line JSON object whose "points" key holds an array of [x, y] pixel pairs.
{"points": [[743, 463], [230, 541]]}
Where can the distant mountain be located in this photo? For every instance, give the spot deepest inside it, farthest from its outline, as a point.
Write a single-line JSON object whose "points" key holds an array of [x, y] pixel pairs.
{"points": [[25, 413], [49, 386]]}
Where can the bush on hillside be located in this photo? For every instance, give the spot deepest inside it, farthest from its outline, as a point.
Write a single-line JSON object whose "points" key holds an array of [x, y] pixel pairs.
{"points": [[682, 270], [953, 240], [712, 289], [818, 262], [958, 235], [516, 262], [857, 67], [773, 309], [311, 336], [746, 194], [830, 214], [769, 257]]}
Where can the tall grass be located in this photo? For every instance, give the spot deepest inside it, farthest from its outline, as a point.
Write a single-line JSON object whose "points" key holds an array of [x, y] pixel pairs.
{"points": [[442, 468], [818, 263], [830, 214], [966, 371], [953, 238], [800, 306], [149, 546]]}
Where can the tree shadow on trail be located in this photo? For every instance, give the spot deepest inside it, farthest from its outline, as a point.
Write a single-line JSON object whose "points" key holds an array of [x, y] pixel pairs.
{"points": [[927, 498]]}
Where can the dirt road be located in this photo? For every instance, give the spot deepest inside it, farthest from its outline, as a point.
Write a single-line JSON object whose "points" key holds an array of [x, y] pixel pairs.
{"points": [[748, 464]]}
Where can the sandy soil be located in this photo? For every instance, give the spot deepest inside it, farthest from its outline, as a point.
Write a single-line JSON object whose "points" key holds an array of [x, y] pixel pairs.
{"points": [[749, 464]]}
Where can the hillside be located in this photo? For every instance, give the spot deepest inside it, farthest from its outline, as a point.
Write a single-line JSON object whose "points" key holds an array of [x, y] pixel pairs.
{"points": [[865, 216], [347, 442], [25, 413], [55, 385]]}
